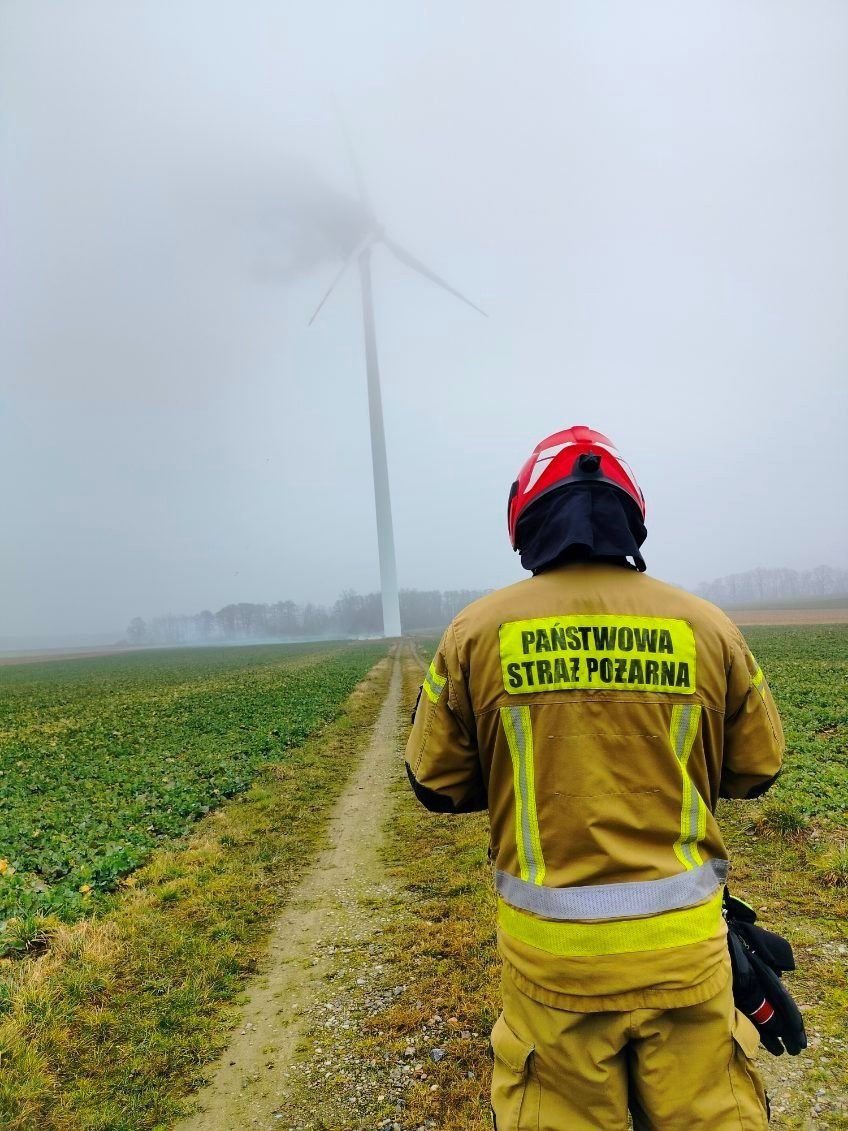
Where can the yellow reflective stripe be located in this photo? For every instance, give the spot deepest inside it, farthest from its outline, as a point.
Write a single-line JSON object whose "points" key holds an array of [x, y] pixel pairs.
{"points": [[758, 680], [702, 824], [519, 735], [434, 683], [693, 812], [624, 936], [432, 695]]}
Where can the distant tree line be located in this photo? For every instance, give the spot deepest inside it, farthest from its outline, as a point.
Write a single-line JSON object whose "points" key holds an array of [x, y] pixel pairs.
{"points": [[765, 586], [353, 614]]}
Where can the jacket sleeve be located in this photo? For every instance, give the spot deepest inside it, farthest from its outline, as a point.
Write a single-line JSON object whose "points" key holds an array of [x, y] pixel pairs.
{"points": [[441, 755], [753, 735]]}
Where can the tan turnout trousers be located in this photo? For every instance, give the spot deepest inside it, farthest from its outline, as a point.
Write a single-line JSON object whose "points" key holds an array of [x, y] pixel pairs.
{"points": [[686, 1069]]}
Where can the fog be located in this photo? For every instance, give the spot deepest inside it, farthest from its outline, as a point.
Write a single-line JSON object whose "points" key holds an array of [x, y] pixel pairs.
{"points": [[648, 200]]}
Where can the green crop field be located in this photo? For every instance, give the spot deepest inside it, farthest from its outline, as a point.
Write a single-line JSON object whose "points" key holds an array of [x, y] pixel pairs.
{"points": [[102, 758], [807, 668]]}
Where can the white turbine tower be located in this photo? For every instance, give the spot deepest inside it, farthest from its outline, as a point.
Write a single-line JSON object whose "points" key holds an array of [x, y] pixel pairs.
{"points": [[361, 254]]}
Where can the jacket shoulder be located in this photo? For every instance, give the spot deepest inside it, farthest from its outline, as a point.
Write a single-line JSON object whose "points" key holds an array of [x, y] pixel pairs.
{"points": [[701, 612], [494, 605]]}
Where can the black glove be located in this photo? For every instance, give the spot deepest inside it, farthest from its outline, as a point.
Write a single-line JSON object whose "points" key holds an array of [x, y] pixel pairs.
{"points": [[758, 958]]}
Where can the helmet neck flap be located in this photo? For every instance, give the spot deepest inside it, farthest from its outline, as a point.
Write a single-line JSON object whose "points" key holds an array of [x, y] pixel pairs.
{"points": [[580, 522]]}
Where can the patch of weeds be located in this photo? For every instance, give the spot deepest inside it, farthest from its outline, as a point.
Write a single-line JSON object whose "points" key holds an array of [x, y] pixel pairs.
{"points": [[26, 934], [832, 867], [784, 818]]}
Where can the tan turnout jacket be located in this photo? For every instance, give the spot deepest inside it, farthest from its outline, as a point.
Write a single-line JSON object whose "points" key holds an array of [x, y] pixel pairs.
{"points": [[599, 714]]}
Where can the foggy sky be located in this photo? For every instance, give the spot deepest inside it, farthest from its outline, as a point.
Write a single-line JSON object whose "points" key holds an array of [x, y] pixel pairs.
{"points": [[647, 199]]}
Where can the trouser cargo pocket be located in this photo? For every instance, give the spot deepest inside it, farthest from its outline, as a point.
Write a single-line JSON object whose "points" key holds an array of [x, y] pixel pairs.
{"points": [[515, 1089]]}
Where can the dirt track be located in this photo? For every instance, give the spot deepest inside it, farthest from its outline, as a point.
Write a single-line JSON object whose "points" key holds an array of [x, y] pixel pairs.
{"points": [[249, 1080]]}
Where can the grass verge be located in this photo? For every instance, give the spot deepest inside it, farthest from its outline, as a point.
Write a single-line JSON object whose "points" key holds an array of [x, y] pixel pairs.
{"points": [[110, 1028], [791, 875], [444, 949]]}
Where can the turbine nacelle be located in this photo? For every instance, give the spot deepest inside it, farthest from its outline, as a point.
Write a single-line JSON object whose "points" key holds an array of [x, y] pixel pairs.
{"points": [[378, 235]]}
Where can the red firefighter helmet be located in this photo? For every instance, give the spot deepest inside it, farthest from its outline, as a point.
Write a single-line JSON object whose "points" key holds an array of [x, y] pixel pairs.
{"points": [[577, 455]]}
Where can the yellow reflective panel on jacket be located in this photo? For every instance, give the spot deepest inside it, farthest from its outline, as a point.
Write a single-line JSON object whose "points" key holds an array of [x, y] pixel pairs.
{"points": [[591, 653], [622, 936]]}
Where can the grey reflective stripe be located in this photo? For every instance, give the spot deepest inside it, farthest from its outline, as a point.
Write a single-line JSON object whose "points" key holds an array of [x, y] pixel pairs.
{"points": [[684, 724], [614, 901], [693, 798], [527, 795], [435, 683], [682, 727]]}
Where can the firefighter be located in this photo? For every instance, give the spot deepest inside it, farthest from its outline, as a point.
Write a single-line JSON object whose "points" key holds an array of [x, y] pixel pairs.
{"points": [[599, 714]]}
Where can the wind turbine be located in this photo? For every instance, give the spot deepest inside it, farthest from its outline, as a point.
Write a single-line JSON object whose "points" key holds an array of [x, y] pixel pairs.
{"points": [[372, 234]]}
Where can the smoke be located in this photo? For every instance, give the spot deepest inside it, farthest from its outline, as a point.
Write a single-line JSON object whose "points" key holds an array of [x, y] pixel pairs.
{"points": [[650, 208], [304, 223]]}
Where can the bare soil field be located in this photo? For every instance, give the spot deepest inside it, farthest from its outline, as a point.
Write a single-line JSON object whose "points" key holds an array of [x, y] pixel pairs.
{"points": [[58, 654], [789, 616]]}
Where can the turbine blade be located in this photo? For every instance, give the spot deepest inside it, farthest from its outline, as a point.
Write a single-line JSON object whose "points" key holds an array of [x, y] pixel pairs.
{"points": [[416, 265], [329, 291], [354, 255], [344, 129]]}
